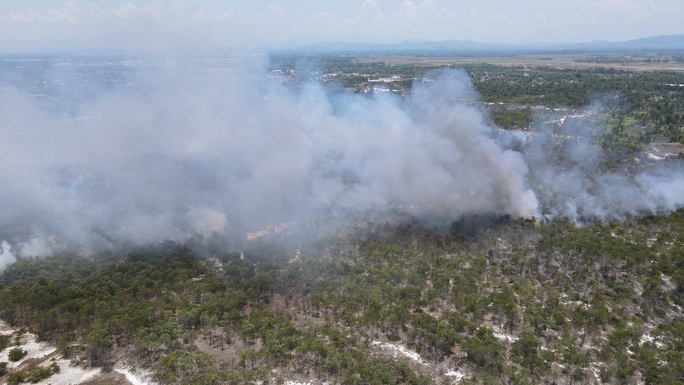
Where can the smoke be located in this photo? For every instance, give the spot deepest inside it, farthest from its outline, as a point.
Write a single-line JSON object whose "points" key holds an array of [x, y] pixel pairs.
{"points": [[7, 257], [101, 153], [98, 154], [574, 177]]}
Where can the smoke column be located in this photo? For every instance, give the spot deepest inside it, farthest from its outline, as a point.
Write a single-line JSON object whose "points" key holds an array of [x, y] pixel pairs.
{"points": [[168, 151]]}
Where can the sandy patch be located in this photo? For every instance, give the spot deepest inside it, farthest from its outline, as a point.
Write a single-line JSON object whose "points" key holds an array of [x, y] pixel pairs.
{"points": [[5, 329], [456, 374], [136, 376], [44, 354], [68, 374], [35, 350], [399, 350], [499, 334]]}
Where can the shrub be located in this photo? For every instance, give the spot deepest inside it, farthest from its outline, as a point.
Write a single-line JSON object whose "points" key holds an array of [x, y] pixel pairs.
{"points": [[33, 374], [16, 354]]}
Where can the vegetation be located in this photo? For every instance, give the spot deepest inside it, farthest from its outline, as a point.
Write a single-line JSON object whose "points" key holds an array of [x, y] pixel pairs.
{"points": [[647, 105], [636, 107], [509, 119], [4, 341], [504, 302], [33, 374], [499, 300], [16, 354]]}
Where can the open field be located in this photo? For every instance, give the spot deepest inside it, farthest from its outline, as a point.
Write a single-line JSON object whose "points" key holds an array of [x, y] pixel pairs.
{"points": [[623, 62]]}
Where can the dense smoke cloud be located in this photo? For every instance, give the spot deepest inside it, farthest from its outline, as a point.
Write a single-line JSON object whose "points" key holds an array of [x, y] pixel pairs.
{"points": [[182, 149], [103, 154]]}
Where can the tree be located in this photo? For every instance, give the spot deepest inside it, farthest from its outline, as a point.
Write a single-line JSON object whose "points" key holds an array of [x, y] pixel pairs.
{"points": [[4, 341], [485, 351], [526, 351]]}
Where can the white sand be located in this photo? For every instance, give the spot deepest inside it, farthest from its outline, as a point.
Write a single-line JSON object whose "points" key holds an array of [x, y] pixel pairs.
{"points": [[138, 377], [398, 349], [5, 329], [457, 374], [499, 334], [33, 348], [68, 375]]}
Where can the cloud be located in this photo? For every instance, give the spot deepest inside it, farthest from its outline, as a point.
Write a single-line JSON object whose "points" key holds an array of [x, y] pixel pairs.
{"points": [[129, 25], [205, 15]]}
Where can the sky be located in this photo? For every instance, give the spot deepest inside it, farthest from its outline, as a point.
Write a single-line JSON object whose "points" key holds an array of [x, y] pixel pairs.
{"points": [[185, 24]]}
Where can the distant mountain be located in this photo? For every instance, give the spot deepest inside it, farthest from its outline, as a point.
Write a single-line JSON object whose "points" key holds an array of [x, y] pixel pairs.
{"points": [[668, 42], [659, 42], [411, 46]]}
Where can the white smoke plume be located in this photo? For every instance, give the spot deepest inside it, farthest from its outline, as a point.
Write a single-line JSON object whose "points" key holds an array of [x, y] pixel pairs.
{"points": [[103, 153], [171, 150], [7, 257], [574, 177]]}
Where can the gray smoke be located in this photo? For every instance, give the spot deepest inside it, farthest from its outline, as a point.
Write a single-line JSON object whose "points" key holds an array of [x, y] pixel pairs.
{"points": [[575, 178], [7, 257], [173, 150], [101, 154]]}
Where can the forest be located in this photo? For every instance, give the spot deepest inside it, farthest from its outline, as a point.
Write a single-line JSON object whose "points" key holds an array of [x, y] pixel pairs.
{"points": [[489, 300], [637, 108], [501, 300]]}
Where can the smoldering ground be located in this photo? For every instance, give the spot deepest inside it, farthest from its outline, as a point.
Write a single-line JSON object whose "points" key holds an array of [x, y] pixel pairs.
{"points": [[98, 153]]}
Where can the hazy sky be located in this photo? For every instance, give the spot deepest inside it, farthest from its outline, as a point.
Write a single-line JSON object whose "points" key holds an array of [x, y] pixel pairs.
{"points": [[165, 24]]}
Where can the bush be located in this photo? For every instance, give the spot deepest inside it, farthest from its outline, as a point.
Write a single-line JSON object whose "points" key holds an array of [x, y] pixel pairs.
{"points": [[37, 373], [3, 368], [16, 354], [16, 378], [33, 374]]}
